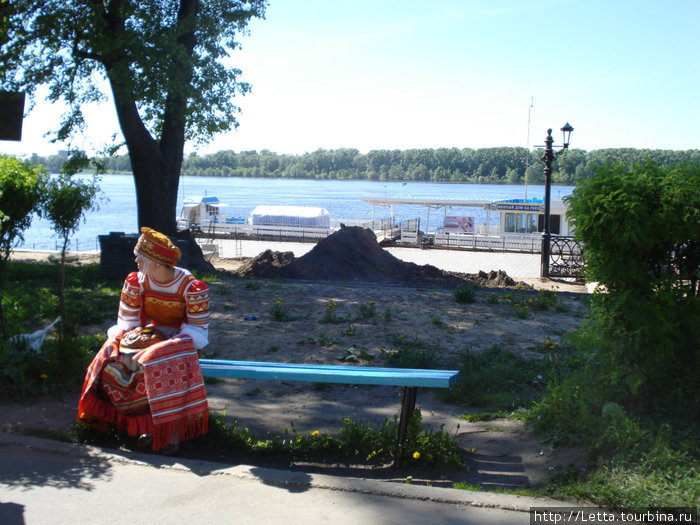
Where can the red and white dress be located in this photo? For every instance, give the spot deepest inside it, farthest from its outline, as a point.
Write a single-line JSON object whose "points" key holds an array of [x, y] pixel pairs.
{"points": [[158, 390]]}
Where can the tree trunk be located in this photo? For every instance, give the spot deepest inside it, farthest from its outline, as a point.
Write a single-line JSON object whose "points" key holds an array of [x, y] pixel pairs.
{"points": [[156, 164]]}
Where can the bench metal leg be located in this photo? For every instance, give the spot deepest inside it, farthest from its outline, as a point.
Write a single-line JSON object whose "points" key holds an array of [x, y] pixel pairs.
{"points": [[408, 404]]}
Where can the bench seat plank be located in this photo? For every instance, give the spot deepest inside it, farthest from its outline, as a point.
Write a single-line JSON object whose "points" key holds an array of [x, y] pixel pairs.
{"points": [[358, 375]]}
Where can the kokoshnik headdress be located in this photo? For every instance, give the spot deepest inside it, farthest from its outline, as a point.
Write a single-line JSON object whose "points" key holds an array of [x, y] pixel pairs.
{"points": [[157, 247]]}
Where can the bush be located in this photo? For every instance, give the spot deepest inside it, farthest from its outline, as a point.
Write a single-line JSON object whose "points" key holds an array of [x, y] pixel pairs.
{"points": [[641, 232], [466, 294]]}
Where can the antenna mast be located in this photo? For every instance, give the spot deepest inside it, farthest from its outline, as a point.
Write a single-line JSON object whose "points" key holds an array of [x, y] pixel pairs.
{"points": [[527, 158]]}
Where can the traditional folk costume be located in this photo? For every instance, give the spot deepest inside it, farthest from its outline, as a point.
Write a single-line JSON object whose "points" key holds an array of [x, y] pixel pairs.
{"points": [[157, 390]]}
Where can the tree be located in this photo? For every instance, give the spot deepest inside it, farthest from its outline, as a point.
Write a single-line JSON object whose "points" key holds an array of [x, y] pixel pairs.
{"points": [[164, 62], [66, 201], [21, 191]]}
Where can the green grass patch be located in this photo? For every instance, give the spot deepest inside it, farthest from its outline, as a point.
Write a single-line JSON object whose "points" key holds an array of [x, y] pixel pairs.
{"points": [[498, 380]]}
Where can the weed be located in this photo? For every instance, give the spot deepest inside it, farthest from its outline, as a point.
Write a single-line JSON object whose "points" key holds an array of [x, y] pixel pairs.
{"points": [[466, 294], [366, 310], [252, 285], [331, 316], [437, 321], [279, 312]]}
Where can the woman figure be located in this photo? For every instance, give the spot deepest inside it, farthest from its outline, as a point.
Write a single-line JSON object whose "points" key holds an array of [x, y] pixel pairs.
{"points": [[153, 387]]}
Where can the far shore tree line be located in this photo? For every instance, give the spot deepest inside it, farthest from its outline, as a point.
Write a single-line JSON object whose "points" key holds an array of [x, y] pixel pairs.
{"points": [[502, 165]]}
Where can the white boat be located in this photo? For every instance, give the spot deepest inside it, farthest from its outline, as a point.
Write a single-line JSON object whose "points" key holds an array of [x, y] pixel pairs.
{"points": [[200, 213], [203, 214]]}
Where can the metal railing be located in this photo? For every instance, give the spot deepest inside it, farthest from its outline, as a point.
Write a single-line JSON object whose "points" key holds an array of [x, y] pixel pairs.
{"points": [[565, 257], [54, 245]]}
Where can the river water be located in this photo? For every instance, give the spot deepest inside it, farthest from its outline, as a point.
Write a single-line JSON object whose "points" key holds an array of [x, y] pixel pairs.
{"points": [[342, 199]]}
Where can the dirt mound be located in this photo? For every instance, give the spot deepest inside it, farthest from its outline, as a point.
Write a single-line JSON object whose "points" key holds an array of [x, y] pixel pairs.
{"points": [[353, 254], [266, 265]]}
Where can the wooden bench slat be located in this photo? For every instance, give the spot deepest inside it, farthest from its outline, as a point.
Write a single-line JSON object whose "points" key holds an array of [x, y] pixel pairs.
{"points": [[407, 377]]}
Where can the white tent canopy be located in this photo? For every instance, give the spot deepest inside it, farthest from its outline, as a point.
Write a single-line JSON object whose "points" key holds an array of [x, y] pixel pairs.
{"points": [[298, 216]]}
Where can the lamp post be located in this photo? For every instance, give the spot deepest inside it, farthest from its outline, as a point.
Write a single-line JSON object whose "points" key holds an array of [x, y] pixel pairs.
{"points": [[549, 156]]}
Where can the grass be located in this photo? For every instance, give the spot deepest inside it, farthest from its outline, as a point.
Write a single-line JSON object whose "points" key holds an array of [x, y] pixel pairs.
{"points": [[497, 380]]}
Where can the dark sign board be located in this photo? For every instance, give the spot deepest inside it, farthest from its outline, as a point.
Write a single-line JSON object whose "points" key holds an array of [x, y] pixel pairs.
{"points": [[11, 114]]}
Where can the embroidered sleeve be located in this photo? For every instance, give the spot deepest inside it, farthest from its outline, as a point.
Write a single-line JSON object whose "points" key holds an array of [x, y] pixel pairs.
{"points": [[196, 324], [129, 303]]}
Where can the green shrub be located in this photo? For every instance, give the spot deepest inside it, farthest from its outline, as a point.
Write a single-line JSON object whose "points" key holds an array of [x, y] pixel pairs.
{"points": [[465, 294]]}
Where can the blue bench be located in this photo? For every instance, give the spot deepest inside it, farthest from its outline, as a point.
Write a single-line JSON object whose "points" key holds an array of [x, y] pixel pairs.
{"points": [[408, 378]]}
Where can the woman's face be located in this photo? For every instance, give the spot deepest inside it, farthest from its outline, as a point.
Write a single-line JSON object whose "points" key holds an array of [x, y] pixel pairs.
{"points": [[143, 263]]}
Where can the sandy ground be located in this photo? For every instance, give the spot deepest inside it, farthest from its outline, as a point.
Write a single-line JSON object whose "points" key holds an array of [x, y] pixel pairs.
{"points": [[502, 452]]}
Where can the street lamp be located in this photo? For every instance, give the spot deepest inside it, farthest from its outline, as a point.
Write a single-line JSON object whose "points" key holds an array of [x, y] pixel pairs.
{"points": [[549, 156]]}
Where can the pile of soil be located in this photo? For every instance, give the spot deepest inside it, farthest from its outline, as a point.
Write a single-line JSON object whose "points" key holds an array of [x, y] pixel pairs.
{"points": [[353, 254], [266, 265]]}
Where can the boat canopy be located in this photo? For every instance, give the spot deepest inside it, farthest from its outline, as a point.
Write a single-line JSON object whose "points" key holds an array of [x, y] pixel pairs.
{"points": [[193, 202], [299, 216]]}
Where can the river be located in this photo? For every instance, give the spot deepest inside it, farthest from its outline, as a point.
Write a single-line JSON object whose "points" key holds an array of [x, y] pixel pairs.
{"points": [[117, 211]]}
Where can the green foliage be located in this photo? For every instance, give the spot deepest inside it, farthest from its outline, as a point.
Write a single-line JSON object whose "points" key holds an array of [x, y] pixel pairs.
{"points": [[641, 230], [32, 303], [628, 388], [358, 442], [482, 165], [168, 65], [146, 48], [65, 202], [279, 312], [330, 315], [59, 366], [366, 310], [497, 379], [466, 294], [21, 194], [412, 352]]}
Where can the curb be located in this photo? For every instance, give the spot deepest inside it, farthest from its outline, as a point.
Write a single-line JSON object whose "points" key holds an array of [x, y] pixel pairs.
{"points": [[290, 478]]}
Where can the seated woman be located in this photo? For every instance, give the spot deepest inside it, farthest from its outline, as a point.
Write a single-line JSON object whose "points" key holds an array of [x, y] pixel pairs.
{"points": [[146, 377]]}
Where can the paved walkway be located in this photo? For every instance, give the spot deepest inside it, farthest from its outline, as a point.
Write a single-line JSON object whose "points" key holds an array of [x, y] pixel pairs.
{"points": [[47, 482]]}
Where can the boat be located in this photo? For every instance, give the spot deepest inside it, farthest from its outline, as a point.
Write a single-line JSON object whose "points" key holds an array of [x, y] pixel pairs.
{"points": [[203, 216], [203, 213]]}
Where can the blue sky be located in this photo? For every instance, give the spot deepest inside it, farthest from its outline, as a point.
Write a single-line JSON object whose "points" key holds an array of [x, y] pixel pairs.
{"points": [[391, 74]]}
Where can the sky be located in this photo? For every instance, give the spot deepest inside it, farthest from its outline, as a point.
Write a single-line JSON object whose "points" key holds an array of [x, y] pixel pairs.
{"points": [[404, 74]]}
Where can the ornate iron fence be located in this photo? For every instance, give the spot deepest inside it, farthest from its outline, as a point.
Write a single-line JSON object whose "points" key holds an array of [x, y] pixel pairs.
{"points": [[565, 257]]}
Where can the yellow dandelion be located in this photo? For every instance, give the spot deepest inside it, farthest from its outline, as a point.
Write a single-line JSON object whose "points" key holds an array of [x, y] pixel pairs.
{"points": [[43, 376], [314, 433], [416, 455], [473, 450]]}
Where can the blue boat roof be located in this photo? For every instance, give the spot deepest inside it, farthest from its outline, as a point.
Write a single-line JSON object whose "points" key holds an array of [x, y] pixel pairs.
{"points": [[534, 200]]}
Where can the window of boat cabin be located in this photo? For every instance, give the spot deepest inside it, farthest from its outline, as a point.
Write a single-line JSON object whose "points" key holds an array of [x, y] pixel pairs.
{"points": [[520, 223]]}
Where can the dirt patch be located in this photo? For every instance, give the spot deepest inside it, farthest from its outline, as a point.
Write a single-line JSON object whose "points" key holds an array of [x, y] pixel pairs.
{"points": [[374, 310]]}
